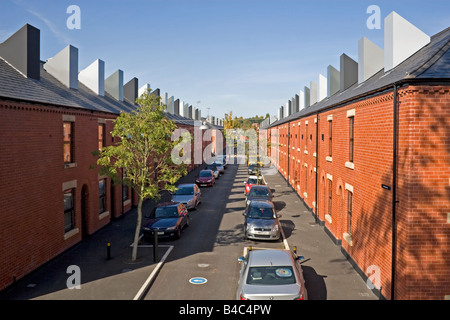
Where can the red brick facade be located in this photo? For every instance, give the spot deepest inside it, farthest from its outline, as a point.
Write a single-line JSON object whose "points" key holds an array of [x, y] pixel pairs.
{"points": [[35, 178], [423, 185]]}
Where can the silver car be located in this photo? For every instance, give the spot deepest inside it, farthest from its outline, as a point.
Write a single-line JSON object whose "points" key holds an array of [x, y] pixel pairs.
{"points": [[261, 221], [189, 194], [271, 274]]}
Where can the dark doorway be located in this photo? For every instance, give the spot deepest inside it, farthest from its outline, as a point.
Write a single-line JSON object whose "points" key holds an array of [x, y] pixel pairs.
{"points": [[84, 211]]}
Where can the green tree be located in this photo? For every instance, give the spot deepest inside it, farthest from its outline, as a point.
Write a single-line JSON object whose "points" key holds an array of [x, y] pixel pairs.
{"points": [[142, 157]]}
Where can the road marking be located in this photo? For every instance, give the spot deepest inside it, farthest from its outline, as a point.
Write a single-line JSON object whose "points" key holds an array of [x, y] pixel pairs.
{"points": [[150, 279], [198, 280]]}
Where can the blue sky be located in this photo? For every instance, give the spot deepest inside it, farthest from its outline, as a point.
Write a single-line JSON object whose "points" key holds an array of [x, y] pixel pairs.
{"points": [[248, 56]]}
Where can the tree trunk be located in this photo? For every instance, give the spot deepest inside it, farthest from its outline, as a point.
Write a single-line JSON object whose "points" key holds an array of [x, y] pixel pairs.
{"points": [[138, 229]]}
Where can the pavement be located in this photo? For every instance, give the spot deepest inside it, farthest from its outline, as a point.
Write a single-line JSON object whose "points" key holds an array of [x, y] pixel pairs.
{"points": [[329, 274]]}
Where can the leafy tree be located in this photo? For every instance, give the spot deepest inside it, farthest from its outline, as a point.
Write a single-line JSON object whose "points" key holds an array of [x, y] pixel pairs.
{"points": [[142, 157]]}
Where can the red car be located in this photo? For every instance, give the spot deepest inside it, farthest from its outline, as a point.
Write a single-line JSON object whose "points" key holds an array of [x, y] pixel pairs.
{"points": [[251, 181], [205, 178]]}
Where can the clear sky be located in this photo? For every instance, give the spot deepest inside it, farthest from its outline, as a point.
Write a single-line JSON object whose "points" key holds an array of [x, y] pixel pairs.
{"points": [[247, 56]]}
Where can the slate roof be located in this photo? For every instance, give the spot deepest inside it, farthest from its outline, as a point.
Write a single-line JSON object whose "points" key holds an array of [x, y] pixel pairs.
{"points": [[432, 62], [49, 91]]}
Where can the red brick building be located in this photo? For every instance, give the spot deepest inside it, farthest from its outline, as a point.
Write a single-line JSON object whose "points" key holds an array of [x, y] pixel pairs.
{"points": [[52, 118], [371, 161]]}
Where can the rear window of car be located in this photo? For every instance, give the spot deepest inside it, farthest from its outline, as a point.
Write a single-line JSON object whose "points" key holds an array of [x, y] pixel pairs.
{"points": [[251, 181], [273, 275], [260, 192], [166, 212]]}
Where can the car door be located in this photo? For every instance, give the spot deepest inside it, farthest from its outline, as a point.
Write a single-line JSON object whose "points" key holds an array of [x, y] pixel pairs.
{"points": [[198, 194]]}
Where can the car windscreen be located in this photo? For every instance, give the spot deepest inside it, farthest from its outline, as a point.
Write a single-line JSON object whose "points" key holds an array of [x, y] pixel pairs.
{"points": [[259, 192], [205, 174], [212, 167], [185, 191], [271, 275], [261, 213], [166, 212]]}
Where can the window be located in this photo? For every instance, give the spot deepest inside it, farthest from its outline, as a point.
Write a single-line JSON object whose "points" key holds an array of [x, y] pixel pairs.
{"points": [[68, 141], [69, 212], [330, 138], [351, 137], [101, 136], [102, 195], [349, 213], [330, 193], [306, 144]]}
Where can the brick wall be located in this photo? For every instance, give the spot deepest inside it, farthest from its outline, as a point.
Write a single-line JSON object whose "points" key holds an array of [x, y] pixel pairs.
{"points": [[33, 179], [423, 184]]}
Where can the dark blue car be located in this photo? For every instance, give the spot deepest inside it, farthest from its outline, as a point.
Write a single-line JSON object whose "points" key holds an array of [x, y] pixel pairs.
{"points": [[167, 220]]}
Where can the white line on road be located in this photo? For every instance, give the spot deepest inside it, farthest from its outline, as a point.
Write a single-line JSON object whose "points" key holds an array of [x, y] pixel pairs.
{"points": [[150, 279]]}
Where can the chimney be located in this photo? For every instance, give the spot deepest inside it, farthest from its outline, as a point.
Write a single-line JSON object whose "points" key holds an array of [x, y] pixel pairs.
{"points": [[296, 103], [333, 79], [22, 51], [348, 73], [190, 112], [307, 97], [176, 107], [401, 40], [156, 92], [301, 100], [170, 105], [130, 90], [64, 67], [93, 77], [114, 85], [371, 59], [322, 88], [143, 89], [313, 92]]}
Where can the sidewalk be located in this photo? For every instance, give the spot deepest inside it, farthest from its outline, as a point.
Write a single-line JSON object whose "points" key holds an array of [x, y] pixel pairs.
{"points": [[117, 278], [328, 274]]}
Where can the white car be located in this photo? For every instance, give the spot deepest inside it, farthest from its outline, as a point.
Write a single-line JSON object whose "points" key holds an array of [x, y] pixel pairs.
{"points": [[271, 274]]}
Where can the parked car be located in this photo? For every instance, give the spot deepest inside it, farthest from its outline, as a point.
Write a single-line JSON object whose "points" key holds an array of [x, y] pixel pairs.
{"points": [[214, 169], [205, 178], [252, 180], [168, 219], [188, 194], [261, 221], [220, 167], [254, 169], [271, 274], [221, 160], [259, 192]]}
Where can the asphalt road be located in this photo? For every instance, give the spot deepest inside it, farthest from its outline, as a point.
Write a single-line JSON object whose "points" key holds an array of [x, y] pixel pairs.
{"points": [[210, 246]]}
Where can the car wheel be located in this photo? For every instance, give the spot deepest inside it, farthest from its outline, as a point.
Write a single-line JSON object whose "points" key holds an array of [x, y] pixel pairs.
{"points": [[187, 220], [178, 234], [245, 233]]}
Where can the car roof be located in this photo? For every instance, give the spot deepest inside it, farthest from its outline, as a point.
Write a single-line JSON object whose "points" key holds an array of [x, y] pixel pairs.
{"points": [[262, 204], [186, 185], [253, 177], [260, 186], [270, 257], [168, 204]]}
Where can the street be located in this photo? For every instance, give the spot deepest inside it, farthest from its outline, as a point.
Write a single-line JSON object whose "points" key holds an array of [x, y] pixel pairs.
{"points": [[210, 246]]}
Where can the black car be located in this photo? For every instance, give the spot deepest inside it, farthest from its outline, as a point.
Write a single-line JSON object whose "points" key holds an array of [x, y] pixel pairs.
{"points": [[254, 169], [167, 220], [259, 192]]}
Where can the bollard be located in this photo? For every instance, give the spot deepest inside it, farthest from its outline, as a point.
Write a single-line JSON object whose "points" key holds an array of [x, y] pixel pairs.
{"points": [[108, 251], [155, 246]]}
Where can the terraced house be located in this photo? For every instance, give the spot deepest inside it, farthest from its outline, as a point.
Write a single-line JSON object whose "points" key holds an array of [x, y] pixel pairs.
{"points": [[52, 117], [367, 149]]}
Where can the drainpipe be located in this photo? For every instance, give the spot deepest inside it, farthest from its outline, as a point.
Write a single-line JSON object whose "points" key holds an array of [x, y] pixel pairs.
{"points": [[288, 154], [316, 217], [394, 192]]}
